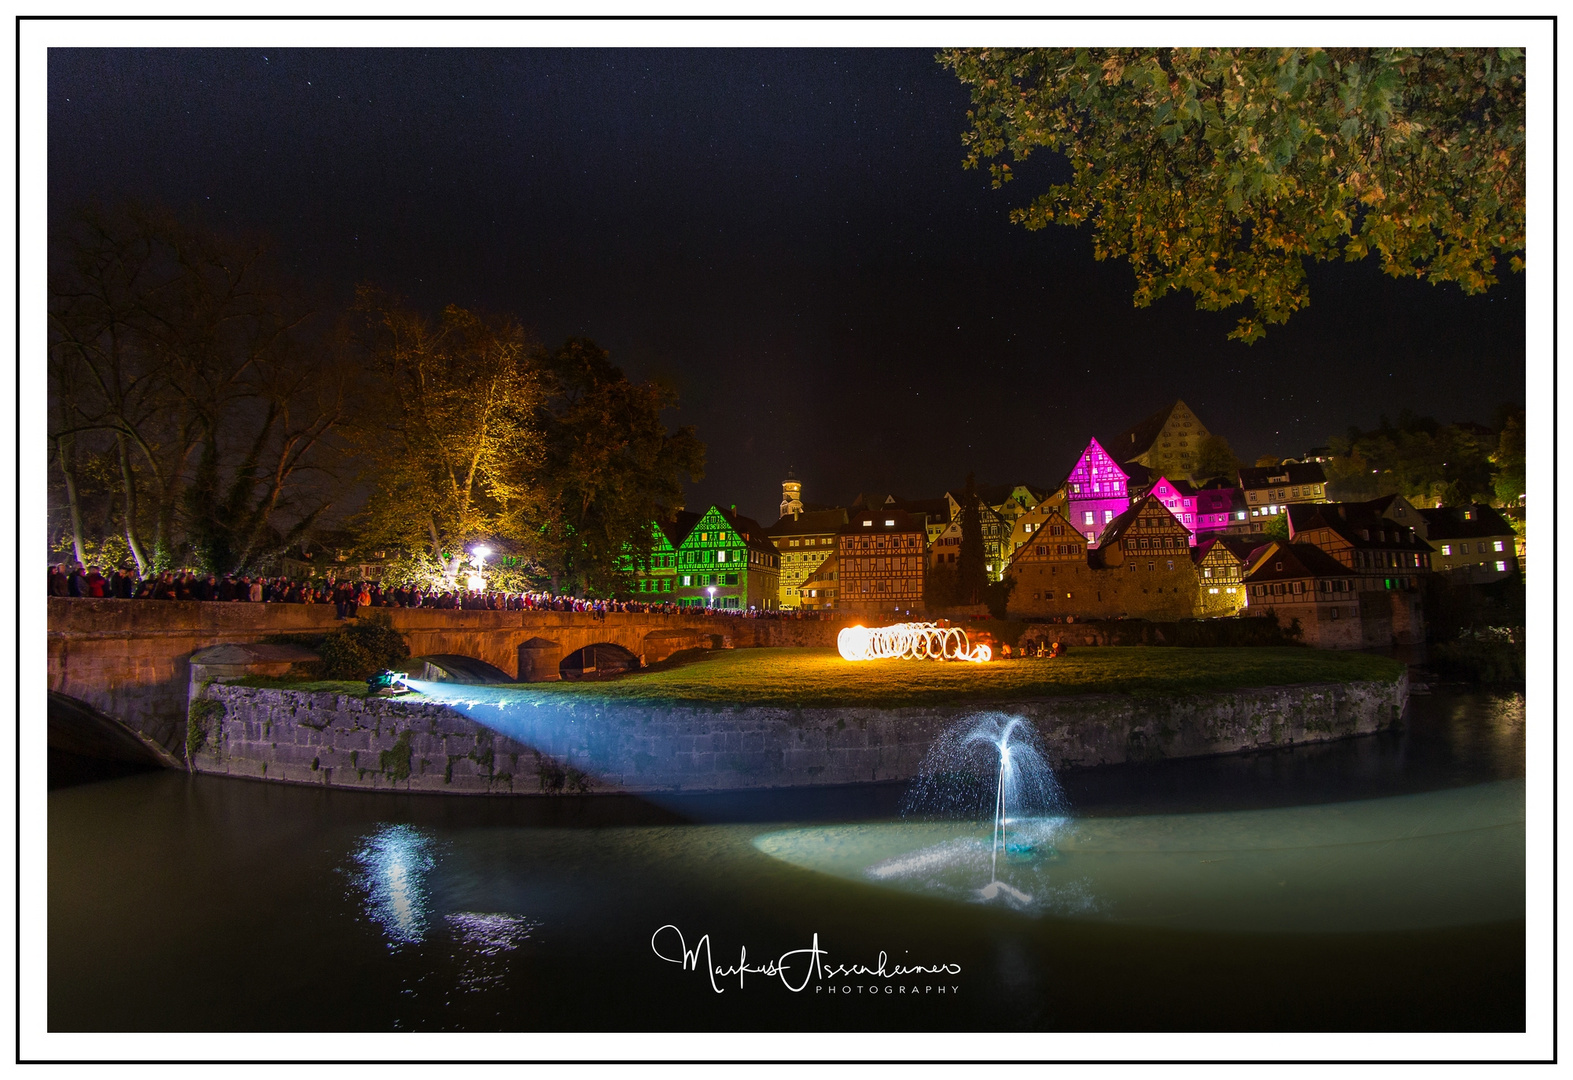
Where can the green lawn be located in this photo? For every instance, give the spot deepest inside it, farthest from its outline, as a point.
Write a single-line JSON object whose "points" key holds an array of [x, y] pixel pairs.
{"points": [[819, 677]]}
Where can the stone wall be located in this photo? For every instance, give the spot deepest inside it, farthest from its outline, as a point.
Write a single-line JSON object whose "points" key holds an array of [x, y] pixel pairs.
{"points": [[130, 659], [581, 743]]}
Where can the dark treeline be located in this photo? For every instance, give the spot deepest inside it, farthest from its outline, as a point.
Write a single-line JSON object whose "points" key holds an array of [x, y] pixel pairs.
{"points": [[1431, 463], [204, 414]]}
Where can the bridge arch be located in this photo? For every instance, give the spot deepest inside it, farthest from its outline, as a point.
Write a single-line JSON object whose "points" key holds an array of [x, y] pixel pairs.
{"points": [[83, 740], [600, 658], [452, 667]]}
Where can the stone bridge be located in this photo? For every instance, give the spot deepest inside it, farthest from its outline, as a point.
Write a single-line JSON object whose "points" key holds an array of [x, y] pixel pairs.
{"points": [[131, 659]]}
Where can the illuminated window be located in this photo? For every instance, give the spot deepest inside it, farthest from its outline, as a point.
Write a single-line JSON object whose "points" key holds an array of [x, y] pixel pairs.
{"points": [[1501, 565], [1089, 517], [1108, 516], [1447, 549], [1496, 545]]}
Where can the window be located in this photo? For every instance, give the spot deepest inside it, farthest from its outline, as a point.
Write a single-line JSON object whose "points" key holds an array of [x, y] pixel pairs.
{"points": [[792, 543], [1108, 516], [1501, 565], [688, 579], [866, 524], [890, 521], [1496, 545], [1447, 549], [1089, 517]]}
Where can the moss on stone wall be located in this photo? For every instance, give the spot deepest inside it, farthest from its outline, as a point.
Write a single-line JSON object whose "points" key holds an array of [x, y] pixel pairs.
{"points": [[201, 715], [395, 761]]}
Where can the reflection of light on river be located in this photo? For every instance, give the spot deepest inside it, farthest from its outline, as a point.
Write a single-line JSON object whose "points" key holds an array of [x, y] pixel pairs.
{"points": [[394, 862], [483, 938]]}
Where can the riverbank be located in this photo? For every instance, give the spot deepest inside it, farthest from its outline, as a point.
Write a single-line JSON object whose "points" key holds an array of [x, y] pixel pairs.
{"points": [[819, 677], [586, 737]]}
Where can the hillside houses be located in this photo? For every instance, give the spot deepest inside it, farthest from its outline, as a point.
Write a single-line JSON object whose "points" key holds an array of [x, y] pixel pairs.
{"points": [[1129, 533]]}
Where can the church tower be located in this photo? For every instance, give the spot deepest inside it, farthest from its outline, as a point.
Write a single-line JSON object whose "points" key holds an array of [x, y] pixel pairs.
{"points": [[791, 496]]}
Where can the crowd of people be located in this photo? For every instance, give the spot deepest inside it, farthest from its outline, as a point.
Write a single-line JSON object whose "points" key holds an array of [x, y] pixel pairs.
{"points": [[345, 595]]}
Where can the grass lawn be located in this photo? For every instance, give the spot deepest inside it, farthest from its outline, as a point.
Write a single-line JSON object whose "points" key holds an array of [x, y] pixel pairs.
{"points": [[819, 677]]}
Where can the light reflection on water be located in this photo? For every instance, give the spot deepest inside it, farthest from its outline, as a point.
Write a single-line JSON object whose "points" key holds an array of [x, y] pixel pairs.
{"points": [[393, 863], [483, 939], [425, 912], [1445, 858]]}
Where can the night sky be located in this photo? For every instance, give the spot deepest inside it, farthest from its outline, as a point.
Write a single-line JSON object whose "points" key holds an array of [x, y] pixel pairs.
{"points": [[787, 236]]}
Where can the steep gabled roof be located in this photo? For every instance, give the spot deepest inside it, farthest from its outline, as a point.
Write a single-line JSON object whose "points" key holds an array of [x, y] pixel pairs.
{"points": [[1300, 473], [751, 531], [815, 521], [1449, 523], [677, 530], [1211, 500], [1240, 547], [900, 520], [1360, 524], [1283, 561], [1117, 527], [1136, 441]]}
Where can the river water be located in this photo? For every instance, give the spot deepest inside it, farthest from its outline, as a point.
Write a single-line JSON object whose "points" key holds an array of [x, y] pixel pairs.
{"points": [[1370, 884]]}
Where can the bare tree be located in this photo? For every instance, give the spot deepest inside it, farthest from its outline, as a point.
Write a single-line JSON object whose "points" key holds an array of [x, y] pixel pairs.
{"points": [[173, 349]]}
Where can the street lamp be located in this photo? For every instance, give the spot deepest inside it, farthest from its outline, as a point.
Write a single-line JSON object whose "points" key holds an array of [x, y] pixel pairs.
{"points": [[478, 557], [711, 591]]}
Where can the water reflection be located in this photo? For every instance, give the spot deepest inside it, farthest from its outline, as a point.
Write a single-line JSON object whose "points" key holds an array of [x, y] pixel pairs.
{"points": [[483, 940], [392, 866], [1446, 858]]}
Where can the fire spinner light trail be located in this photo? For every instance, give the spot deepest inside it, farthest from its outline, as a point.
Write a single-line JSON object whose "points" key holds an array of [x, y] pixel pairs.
{"points": [[910, 641]]}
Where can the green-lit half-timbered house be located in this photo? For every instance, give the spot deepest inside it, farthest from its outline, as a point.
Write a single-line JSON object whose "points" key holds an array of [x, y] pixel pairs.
{"points": [[727, 562], [654, 576]]}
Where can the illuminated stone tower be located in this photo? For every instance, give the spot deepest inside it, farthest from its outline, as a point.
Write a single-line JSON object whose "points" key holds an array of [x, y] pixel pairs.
{"points": [[791, 496]]}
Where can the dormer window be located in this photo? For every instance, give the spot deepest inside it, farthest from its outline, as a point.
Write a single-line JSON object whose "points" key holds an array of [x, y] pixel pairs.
{"points": [[866, 524], [890, 521]]}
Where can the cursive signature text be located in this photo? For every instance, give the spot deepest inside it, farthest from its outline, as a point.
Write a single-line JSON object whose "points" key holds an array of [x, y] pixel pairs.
{"points": [[796, 968]]}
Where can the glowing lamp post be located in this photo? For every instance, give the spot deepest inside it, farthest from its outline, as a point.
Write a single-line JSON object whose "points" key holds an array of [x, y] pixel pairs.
{"points": [[711, 591], [478, 554]]}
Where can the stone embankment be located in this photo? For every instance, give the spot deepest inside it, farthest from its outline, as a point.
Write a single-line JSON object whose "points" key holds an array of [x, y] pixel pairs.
{"points": [[585, 744], [131, 659]]}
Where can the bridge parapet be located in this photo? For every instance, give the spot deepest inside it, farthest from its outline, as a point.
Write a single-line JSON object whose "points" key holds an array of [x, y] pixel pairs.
{"points": [[131, 659]]}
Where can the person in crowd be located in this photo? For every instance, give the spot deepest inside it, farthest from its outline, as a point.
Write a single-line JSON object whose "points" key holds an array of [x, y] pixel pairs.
{"points": [[76, 581], [254, 594], [59, 584]]}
